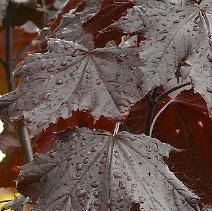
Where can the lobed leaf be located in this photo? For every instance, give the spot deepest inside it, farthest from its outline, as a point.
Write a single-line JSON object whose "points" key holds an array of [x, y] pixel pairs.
{"points": [[70, 27], [174, 30], [69, 77], [92, 170], [189, 128]]}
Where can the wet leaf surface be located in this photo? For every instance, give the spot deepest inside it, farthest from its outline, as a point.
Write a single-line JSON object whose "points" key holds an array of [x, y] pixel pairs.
{"points": [[69, 77], [95, 170]]}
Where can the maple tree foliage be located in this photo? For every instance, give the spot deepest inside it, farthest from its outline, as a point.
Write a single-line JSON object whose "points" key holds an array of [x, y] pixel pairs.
{"points": [[189, 126], [100, 65], [96, 171]]}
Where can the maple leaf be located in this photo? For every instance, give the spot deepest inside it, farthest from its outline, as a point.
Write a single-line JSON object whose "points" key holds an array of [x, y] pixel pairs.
{"points": [[91, 19], [69, 77], [174, 30], [201, 72], [189, 126], [92, 170], [70, 5]]}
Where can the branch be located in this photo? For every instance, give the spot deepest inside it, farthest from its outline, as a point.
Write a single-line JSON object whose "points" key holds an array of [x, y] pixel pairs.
{"points": [[157, 99], [21, 129]]}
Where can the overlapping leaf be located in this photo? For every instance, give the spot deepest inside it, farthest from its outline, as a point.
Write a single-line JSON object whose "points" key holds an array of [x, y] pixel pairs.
{"points": [[91, 170], [174, 30], [189, 126], [70, 77], [70, 27], [201, 72], [91, 19]]}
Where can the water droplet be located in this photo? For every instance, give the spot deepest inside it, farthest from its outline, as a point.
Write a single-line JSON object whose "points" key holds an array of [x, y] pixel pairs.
{"points": [[88, 76], [79, 167], [93, 149], [101, 170], [129, 178], [43, 66], [58, 67], [197, 20], [116, 154], [176, 21], [195, 28], [209, 56], [94, 184], [209, 89], [122, 185], [103, 160], [80, 192], [119, 59], [96, 193], [85, 160], [63, 63], [117, 175], [120, 199], [59, 82], [118, 74], [29, 120], [46, 96], [98, 82], [96, 203]]}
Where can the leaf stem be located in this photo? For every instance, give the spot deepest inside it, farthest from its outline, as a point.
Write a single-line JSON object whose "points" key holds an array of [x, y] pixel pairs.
{"points": [[25, 142], [170, 91], [151, 104], [157, 115]]}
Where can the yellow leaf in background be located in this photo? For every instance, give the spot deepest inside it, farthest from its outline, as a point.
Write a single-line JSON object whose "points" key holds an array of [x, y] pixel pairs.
{"points": [[2, 155], [1, 126], [6, 194]]}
